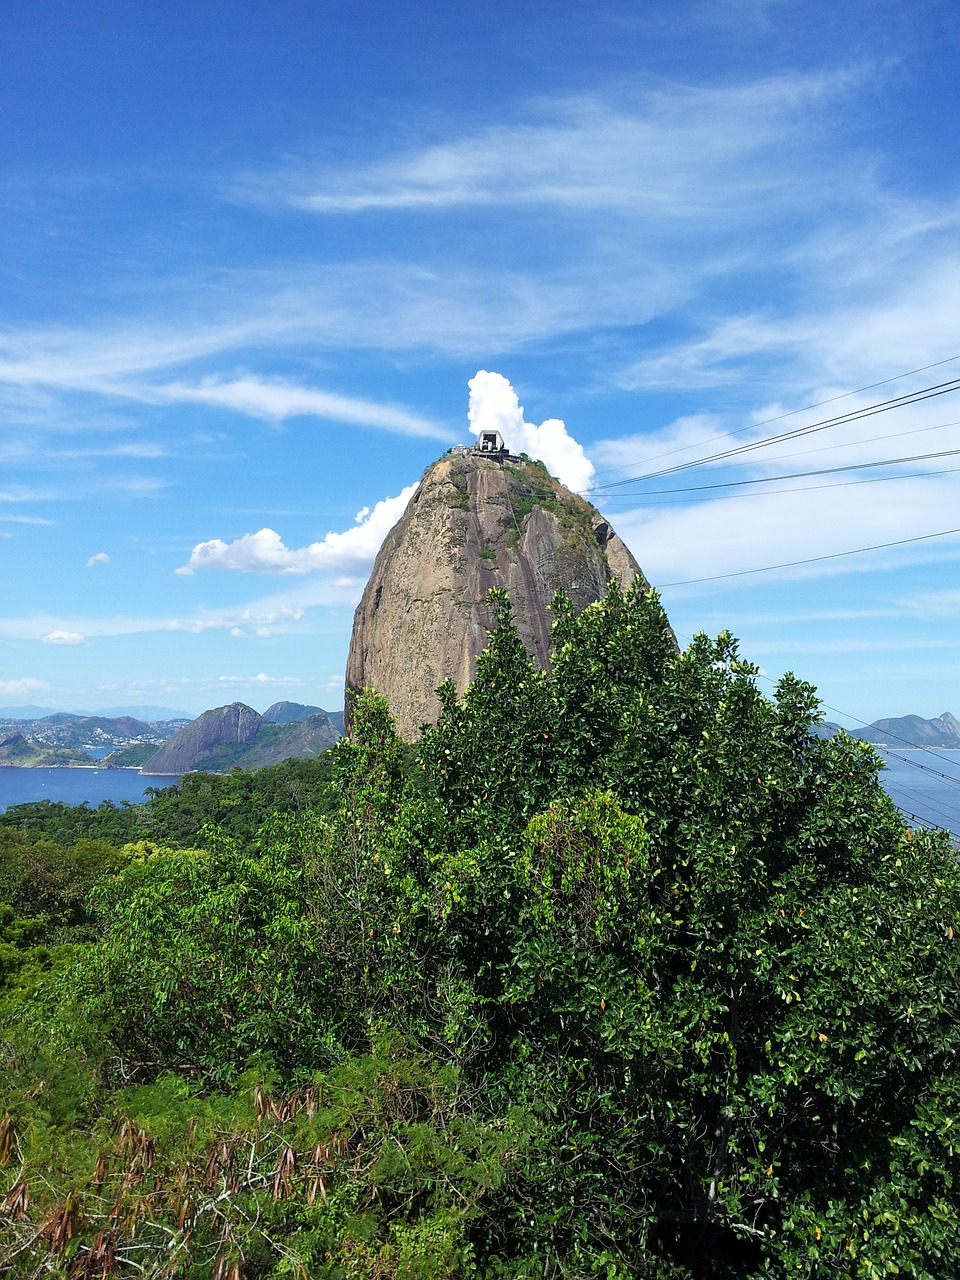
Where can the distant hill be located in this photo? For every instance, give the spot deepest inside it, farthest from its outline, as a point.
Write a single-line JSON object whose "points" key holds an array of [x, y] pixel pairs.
{"points": [[129, 757], [237, 736], [826, 729], [293, 712], [85, 734], [144, 713], [17, 751], [914, 731], [25, 713], [290, 713]]}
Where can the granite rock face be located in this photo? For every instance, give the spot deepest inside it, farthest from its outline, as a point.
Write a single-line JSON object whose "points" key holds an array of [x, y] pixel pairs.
{"points": [[200, 739], [472, 524]]}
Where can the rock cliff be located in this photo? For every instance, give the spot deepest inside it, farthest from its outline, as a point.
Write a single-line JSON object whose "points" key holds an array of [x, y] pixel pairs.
{"points": [[198, 740], [472, 524], [239, 737]]}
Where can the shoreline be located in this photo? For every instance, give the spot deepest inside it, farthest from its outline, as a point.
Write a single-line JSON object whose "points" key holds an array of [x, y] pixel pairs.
{"points": [[97, 768]]}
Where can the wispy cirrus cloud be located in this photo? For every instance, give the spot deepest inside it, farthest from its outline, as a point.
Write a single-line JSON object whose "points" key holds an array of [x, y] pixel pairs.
{"points": [[676, 152], [911, 320], [679, 545], [282, 610], [275, 399], [111, 366]]}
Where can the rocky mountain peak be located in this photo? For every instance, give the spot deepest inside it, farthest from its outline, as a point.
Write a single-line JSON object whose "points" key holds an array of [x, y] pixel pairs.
{"points": [[236, 723], [473, 523]]}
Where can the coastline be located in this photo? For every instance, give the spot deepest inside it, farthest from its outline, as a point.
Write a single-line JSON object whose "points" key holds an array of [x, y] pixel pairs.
{"points": [[97, 767], [94, 764]]}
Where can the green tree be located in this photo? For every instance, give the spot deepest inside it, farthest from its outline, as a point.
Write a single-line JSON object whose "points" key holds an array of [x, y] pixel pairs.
{"points": [[686, 979], [746, 1033]]}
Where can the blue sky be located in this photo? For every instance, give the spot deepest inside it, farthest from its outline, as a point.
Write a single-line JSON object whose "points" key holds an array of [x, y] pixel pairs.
{"points": [[253, 254]]}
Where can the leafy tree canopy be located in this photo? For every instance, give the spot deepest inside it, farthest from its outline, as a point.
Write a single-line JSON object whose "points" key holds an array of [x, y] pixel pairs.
{"points": [[626, 973]]}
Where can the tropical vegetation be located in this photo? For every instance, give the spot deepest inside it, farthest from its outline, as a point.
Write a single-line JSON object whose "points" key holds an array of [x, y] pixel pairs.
{"points": [[620, 971]]}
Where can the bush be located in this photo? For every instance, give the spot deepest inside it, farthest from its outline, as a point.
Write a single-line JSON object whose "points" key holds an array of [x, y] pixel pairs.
{"points": [[628, 974]]}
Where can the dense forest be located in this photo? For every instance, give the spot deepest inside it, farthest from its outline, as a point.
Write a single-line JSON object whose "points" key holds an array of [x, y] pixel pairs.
{"points": [[620, 971]]}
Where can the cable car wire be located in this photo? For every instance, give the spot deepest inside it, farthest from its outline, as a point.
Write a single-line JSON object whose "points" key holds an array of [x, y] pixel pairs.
{"points": [[800, 475], [792, 564], [856, 415], [799, 488], [764, 422]]}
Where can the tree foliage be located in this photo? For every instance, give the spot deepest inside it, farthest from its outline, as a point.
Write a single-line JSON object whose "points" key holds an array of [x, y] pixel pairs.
{"points": [[626, 973]]}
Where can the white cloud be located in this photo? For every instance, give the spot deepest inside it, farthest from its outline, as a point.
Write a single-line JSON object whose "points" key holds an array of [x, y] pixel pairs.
{"points": [[264, 551], [100, 558], [725, 537], [261, 679], [908, 319], [274, 400], [237, 633], [283, 609], [932, 605], [20, 493], [195, 626], [494, 407], [658, 448], [279, 613], [64, 637], [680, 151], [25, 685]]}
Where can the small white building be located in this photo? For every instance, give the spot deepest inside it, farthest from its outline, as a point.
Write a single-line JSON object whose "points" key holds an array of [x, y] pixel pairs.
{"points": [[491, 443]]}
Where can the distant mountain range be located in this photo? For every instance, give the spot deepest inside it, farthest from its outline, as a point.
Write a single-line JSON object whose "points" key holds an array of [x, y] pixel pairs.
{"points": [[218, 740], [44, 741], [138, 713], [913, 731], [905, 731], [236, 736]]}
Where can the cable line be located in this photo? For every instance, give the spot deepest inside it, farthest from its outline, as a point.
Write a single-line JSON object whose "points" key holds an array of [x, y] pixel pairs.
{"points": [[866, 724], [855, 415], [799, 488], [792, 564], [915, 764], [800, 475], [764, 422], [906, 741], [849, 444]]}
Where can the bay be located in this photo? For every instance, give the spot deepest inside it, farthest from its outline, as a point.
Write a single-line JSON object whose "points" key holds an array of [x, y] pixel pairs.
{"points": [[926, 786], [76, 786]]}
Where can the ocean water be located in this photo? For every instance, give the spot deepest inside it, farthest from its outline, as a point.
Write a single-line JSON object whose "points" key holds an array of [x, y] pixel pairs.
{"points": [[74, 786], [926, 796], [926, 786]]}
